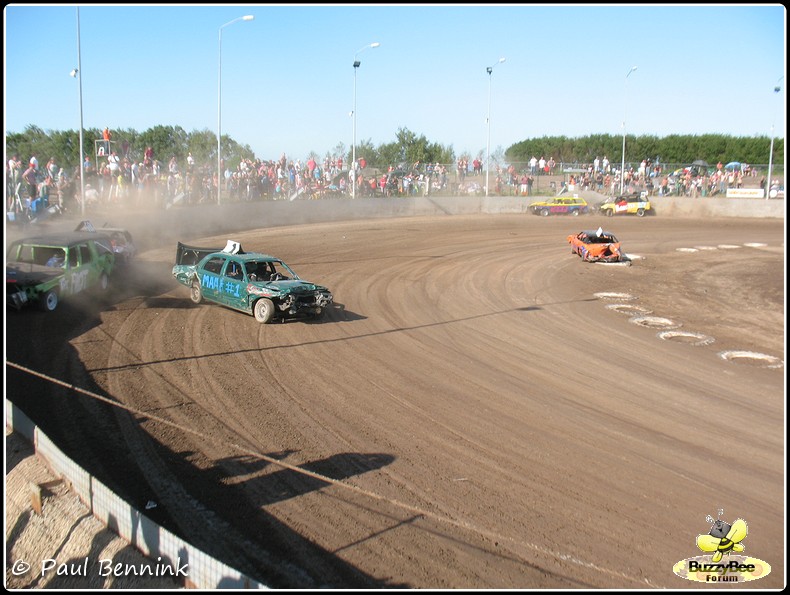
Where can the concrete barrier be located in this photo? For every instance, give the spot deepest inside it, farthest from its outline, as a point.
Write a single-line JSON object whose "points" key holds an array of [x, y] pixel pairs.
{"points": [[182, 222], [152, 540], [215, 220]]}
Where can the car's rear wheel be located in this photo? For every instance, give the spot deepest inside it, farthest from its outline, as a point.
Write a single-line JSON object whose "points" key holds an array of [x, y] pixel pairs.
{"points": [[104, 282], [195, 294], [263, 310], [545, 212], [640, 212], [49, 301], [575, 212], [609, 212]]}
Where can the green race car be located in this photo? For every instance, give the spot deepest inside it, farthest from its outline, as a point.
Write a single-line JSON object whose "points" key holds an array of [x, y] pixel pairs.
{"points": [[251, 282], [44, 269]]}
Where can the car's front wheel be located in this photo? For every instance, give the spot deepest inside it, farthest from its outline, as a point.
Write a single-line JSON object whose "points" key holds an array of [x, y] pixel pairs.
{"points": [[195, 294], [575, 212], [609, 212], [640, 212], [263, 310], [545, 212], [49, 301], [104, 282]]}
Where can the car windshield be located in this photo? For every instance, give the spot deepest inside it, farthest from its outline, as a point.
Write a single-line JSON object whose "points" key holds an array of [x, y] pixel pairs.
{"points": [[600, 239], [268, 270]]}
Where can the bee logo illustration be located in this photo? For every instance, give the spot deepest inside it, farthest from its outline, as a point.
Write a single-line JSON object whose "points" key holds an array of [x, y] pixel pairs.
{"points": [[723, 537]]}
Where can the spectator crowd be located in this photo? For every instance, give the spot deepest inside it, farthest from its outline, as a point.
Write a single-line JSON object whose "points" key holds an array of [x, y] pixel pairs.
{"points": [[120, 179]]}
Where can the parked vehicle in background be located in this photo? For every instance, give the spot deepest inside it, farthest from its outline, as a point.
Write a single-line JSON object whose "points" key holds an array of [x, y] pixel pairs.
{"points": [[44, 269], [121, 240], [560, 205], [251, 282], [628, 204]]}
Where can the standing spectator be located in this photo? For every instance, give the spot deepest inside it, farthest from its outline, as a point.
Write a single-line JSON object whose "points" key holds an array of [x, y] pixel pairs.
{"points": [[43, 194], [533, 163], [523, 185], [541, 166], [114, 163], [52, 168], [551, 165], [14, 171], [383, 184], [605, 164], [148, 157], [530, 181], [29, 176], [106, 135]]}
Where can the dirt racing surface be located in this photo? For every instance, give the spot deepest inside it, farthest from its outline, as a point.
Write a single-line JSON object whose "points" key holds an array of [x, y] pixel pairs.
{"points": [[479, 409]]}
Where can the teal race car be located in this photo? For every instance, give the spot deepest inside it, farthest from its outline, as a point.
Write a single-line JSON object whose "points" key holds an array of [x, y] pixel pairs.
{"points": [[251, 282]]}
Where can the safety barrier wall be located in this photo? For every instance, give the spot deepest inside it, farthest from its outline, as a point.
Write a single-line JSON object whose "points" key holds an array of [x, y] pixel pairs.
{"points": [[155, 227], [201, 220], [204, 572]]}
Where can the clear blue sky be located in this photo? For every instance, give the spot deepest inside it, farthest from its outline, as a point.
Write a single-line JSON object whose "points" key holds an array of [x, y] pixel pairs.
{"points": [[288, 80]]}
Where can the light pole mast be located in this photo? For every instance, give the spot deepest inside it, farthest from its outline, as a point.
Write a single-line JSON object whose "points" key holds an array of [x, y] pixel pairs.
{"points": [[353, 176], [622, 167], [248, 17], [777, 89], [489, 70], [77, 73]]}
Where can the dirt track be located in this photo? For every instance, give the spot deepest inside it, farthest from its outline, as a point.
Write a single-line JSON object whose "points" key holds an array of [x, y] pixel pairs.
{"points": [[479, 417]]}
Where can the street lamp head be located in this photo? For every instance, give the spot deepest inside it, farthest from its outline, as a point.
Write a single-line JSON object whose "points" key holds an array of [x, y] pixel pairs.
{"points": [[375, 44], [501, 60], [777, 88], [630, 71], [489, 69], [248, 17], [73, 73]]}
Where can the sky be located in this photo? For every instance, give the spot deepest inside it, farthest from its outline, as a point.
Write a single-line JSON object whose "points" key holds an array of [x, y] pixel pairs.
{"points": [[288, 84]]}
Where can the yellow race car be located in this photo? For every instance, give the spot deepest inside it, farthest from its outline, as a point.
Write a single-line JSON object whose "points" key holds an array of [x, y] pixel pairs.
{"points": [[627, 204]]}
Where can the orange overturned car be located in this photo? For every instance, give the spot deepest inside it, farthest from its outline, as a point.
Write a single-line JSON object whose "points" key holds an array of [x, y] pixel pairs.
{"points": [[596, 246]]}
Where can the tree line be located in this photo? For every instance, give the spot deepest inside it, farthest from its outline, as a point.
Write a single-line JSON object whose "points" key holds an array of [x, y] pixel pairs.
{"points": [[675, 148], [407, 148]]}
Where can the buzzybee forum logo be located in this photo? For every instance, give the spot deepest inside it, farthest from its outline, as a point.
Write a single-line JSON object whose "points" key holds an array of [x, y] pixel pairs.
{"points": [[720, 565]]}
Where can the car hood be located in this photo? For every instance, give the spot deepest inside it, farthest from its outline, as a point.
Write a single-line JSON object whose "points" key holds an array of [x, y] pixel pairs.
{"points": [[30, 274], [289, 286]]}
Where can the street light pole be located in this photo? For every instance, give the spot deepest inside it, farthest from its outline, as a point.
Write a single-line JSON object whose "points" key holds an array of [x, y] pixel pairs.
{"points": [[777, 88], [625, 116], [248, 17], [489, 70], [353, 176], [77, 72]]}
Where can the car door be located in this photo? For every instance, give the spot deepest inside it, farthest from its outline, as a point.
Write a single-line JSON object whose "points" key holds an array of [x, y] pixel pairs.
{"points": [[210, 275], [233, 284], [560, 206], [77, 274]]}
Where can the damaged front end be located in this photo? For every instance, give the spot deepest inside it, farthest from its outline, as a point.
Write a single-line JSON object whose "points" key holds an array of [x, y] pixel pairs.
{"points": [[16, 297], [311, 302], [607, 254]]}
